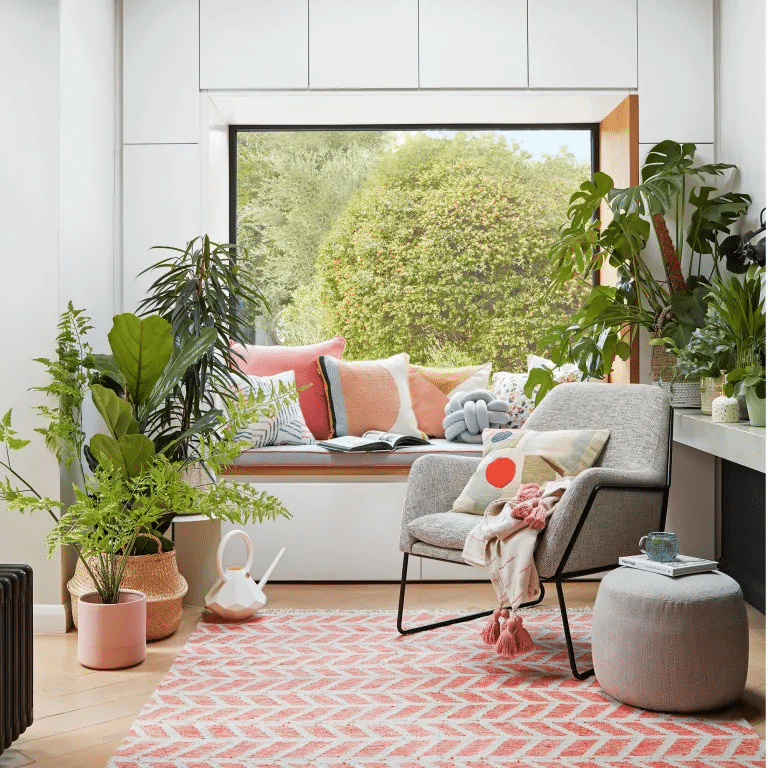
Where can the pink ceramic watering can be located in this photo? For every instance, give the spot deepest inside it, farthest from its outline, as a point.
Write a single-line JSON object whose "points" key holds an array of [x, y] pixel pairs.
{"points": [[236, 596]]}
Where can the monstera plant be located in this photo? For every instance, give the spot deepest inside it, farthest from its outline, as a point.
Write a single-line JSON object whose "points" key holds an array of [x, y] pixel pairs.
{"points": [[135, 485], [672, 188]]}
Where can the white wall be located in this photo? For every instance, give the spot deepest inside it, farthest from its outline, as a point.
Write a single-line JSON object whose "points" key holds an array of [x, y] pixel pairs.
{"points": [[58, 197], [740, 97]]}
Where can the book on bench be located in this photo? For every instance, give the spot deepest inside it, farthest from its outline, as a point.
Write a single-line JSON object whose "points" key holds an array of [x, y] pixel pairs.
{"points": [[373, 440], [680, 566]]}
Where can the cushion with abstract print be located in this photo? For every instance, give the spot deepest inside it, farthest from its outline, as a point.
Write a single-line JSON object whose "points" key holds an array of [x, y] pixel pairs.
{"points": [[513, 457], [510, 387], [369, 394], [286, 425], [432, 388]]}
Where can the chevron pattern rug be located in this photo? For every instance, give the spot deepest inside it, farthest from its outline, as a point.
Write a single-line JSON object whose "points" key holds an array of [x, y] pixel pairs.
{"points": [[343, 689]]}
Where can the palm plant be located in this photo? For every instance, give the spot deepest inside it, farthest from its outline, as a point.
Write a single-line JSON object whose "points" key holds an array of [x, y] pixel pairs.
{"points": [[200, 291]]}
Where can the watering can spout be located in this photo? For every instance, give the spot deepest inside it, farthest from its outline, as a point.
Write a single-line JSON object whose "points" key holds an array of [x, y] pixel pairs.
{"points": [[271, 568]]}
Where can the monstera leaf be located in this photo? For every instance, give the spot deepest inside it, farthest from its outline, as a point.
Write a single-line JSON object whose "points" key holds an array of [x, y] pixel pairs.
{"points": [[116, 412], [713, 216], [131, 453], [141, 349]]}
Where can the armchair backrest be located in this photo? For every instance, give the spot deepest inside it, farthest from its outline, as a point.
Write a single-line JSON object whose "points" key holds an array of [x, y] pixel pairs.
{"points": [[637, 416]]}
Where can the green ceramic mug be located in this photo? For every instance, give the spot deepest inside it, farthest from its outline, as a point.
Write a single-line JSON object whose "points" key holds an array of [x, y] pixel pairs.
{"points": [[661, 546]]}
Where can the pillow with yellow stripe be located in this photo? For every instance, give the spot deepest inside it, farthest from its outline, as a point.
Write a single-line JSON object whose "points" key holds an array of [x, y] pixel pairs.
{"points": [[512, 457]]}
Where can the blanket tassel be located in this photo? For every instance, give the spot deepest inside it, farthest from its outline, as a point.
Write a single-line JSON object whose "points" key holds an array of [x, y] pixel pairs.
{"points": [[507, 646], [523, 638], [490, 634]]}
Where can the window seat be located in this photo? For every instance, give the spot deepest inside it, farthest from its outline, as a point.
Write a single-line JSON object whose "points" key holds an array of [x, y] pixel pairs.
{"points": [[316, 460]]}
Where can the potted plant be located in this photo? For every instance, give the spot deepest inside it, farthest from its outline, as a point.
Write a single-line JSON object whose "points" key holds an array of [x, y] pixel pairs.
{"points": [[134, 484], [671, 308]]}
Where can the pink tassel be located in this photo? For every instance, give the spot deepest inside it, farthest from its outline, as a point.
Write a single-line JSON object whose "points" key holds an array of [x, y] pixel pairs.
{"points": [[528, 491], [523, 639], [492, 629], [537, 517], [523, 509], [507, 646]]}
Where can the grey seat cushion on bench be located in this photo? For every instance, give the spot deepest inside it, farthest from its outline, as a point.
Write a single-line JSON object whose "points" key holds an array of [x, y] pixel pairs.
{"points": [[317, 456], [444, 529]]}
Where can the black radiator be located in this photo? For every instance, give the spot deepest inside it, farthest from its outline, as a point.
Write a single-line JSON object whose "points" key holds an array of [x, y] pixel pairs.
{"points": [[15, 652]]}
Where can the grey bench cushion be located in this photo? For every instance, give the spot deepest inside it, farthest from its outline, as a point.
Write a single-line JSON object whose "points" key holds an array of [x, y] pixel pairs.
{"points": [[444, 529], [286, 456]]}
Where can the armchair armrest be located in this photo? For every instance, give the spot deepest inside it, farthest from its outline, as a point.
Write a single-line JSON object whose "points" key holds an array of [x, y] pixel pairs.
{"points": [[434, 483], [607, 510]]}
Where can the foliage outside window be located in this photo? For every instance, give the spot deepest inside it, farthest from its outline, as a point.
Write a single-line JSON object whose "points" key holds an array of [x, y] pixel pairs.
{"points": [[433, 243]]}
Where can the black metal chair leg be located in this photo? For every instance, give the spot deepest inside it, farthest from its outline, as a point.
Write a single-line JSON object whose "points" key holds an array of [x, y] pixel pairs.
{"points": [[567, 630], [447, 622]]}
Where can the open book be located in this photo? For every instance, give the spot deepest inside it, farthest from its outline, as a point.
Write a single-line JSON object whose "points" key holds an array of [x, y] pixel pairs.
{"points": [[680, 566], [373, 440]]}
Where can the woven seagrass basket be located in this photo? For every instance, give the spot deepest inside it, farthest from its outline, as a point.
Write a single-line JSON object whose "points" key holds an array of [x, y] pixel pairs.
{"points": [[682, 394], [157, 576]]}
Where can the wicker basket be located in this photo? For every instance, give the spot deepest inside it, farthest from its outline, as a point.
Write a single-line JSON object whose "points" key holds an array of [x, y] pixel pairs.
{"points": [[682, 394], [157, 576]]}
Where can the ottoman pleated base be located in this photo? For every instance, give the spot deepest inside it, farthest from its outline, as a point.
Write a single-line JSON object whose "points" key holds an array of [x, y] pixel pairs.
{"points": [[670, 644]]}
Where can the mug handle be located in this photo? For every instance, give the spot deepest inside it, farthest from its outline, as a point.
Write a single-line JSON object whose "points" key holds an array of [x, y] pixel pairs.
{"points": [[640, 544]]}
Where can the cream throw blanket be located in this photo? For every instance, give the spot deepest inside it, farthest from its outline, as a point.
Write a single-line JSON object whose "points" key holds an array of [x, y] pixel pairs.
{"points": [[503, 542]]}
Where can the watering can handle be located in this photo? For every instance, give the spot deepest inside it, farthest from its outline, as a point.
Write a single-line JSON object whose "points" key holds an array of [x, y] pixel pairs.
{"points": [[223, 546]]}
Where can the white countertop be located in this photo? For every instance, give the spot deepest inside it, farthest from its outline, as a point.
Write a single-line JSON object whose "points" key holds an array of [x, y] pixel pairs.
{"points": [[740, 443]]}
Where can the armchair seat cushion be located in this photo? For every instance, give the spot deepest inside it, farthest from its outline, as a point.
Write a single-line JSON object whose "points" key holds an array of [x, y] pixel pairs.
{"points": [[443, 529]]}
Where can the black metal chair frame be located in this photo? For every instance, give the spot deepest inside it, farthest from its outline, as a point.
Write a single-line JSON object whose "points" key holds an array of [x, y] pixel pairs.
{"points": [[561, 574]]}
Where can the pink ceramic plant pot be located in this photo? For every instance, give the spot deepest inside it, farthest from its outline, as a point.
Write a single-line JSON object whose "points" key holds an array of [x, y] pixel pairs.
{"points": [[112, 636]]}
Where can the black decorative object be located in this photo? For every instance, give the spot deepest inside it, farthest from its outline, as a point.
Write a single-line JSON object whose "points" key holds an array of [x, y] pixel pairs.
{"points": [[740, 252]]}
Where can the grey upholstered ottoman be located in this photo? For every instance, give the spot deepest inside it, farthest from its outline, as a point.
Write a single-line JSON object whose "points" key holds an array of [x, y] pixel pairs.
{"points": [[670, 644]]}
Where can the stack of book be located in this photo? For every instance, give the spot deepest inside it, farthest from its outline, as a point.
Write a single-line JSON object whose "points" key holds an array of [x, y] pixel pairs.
{"points": [[680, 566]]}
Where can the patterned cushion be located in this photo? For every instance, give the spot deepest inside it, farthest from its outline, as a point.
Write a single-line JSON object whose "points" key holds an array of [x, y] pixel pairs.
{"points": [[369, 394], [510, 388], [564, 374], [512, 457], [431, 388], [443, 529], [286, 426], [267, 361]]}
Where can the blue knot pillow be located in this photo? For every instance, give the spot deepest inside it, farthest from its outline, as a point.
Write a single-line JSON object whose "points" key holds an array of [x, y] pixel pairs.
{"points": [[467, 414]]}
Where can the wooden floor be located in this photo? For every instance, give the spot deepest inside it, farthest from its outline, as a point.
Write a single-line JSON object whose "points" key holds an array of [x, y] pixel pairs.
{"points": [[82, 715]]}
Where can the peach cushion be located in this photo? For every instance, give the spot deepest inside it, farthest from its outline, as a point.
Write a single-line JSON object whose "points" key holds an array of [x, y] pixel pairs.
{"points": [[268, 361], [428, 404]]}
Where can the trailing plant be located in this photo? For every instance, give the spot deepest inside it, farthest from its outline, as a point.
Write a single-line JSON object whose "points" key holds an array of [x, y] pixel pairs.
{"points": [[136, 485], [672, 308], [200, 293]]}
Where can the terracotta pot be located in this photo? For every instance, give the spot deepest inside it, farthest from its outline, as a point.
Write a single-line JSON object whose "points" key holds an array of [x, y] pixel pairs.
{"points": [[112, 636]]}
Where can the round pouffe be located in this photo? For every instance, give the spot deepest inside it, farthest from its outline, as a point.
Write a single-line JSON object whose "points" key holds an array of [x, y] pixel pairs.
{"points": [[670, 644]]}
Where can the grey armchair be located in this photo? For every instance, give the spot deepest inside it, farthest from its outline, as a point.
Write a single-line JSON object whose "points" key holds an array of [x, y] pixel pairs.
{"points": [[600, 518]]}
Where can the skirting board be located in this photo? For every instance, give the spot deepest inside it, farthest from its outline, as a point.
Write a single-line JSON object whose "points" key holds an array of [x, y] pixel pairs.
{"points": [[51, 619]]}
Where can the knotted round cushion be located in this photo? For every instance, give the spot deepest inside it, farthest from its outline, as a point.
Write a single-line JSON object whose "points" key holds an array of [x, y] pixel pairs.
{"points": [[467, 414]]}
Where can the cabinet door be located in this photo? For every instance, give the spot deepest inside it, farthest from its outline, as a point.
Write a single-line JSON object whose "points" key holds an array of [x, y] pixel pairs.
{"points": [[676, 71], [363, 44], [253, 44], [483, 44], [583, 44], [160, 71]]}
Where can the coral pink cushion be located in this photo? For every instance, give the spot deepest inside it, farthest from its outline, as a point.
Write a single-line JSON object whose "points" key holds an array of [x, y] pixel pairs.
{"points": [[268, 361], [428, 404]]}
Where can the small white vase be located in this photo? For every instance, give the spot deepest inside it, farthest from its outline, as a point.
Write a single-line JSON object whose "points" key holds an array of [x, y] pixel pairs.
{"points": [[755, 408]]}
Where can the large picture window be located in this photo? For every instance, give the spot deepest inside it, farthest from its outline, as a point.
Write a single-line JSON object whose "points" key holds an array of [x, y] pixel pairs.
{"points": [[428, 240]]}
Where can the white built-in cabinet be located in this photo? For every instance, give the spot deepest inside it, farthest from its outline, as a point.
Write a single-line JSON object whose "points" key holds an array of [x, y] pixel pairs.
{"points": [[676, 71], [254, 44], [160, 71], [482, 44], [363, 44], [582, 44]]}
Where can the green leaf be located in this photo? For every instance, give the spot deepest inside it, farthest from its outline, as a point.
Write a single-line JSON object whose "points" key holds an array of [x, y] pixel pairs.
{"points": [[116, 412], [142, 349], [107, 367], [131, 453]]}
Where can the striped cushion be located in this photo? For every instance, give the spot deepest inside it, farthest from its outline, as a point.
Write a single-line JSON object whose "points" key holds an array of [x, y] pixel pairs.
{"points": [[286, 426]]}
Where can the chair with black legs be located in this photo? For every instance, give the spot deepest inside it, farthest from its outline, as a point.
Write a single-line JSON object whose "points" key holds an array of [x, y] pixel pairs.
{"points": [[600, 518]]}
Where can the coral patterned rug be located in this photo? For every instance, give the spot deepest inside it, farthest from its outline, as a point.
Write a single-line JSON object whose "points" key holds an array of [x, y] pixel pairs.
{"points": [[344, 689]]}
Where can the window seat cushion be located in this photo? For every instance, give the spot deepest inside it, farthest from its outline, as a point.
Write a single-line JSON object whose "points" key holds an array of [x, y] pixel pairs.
{"points": [[314, 459]]}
